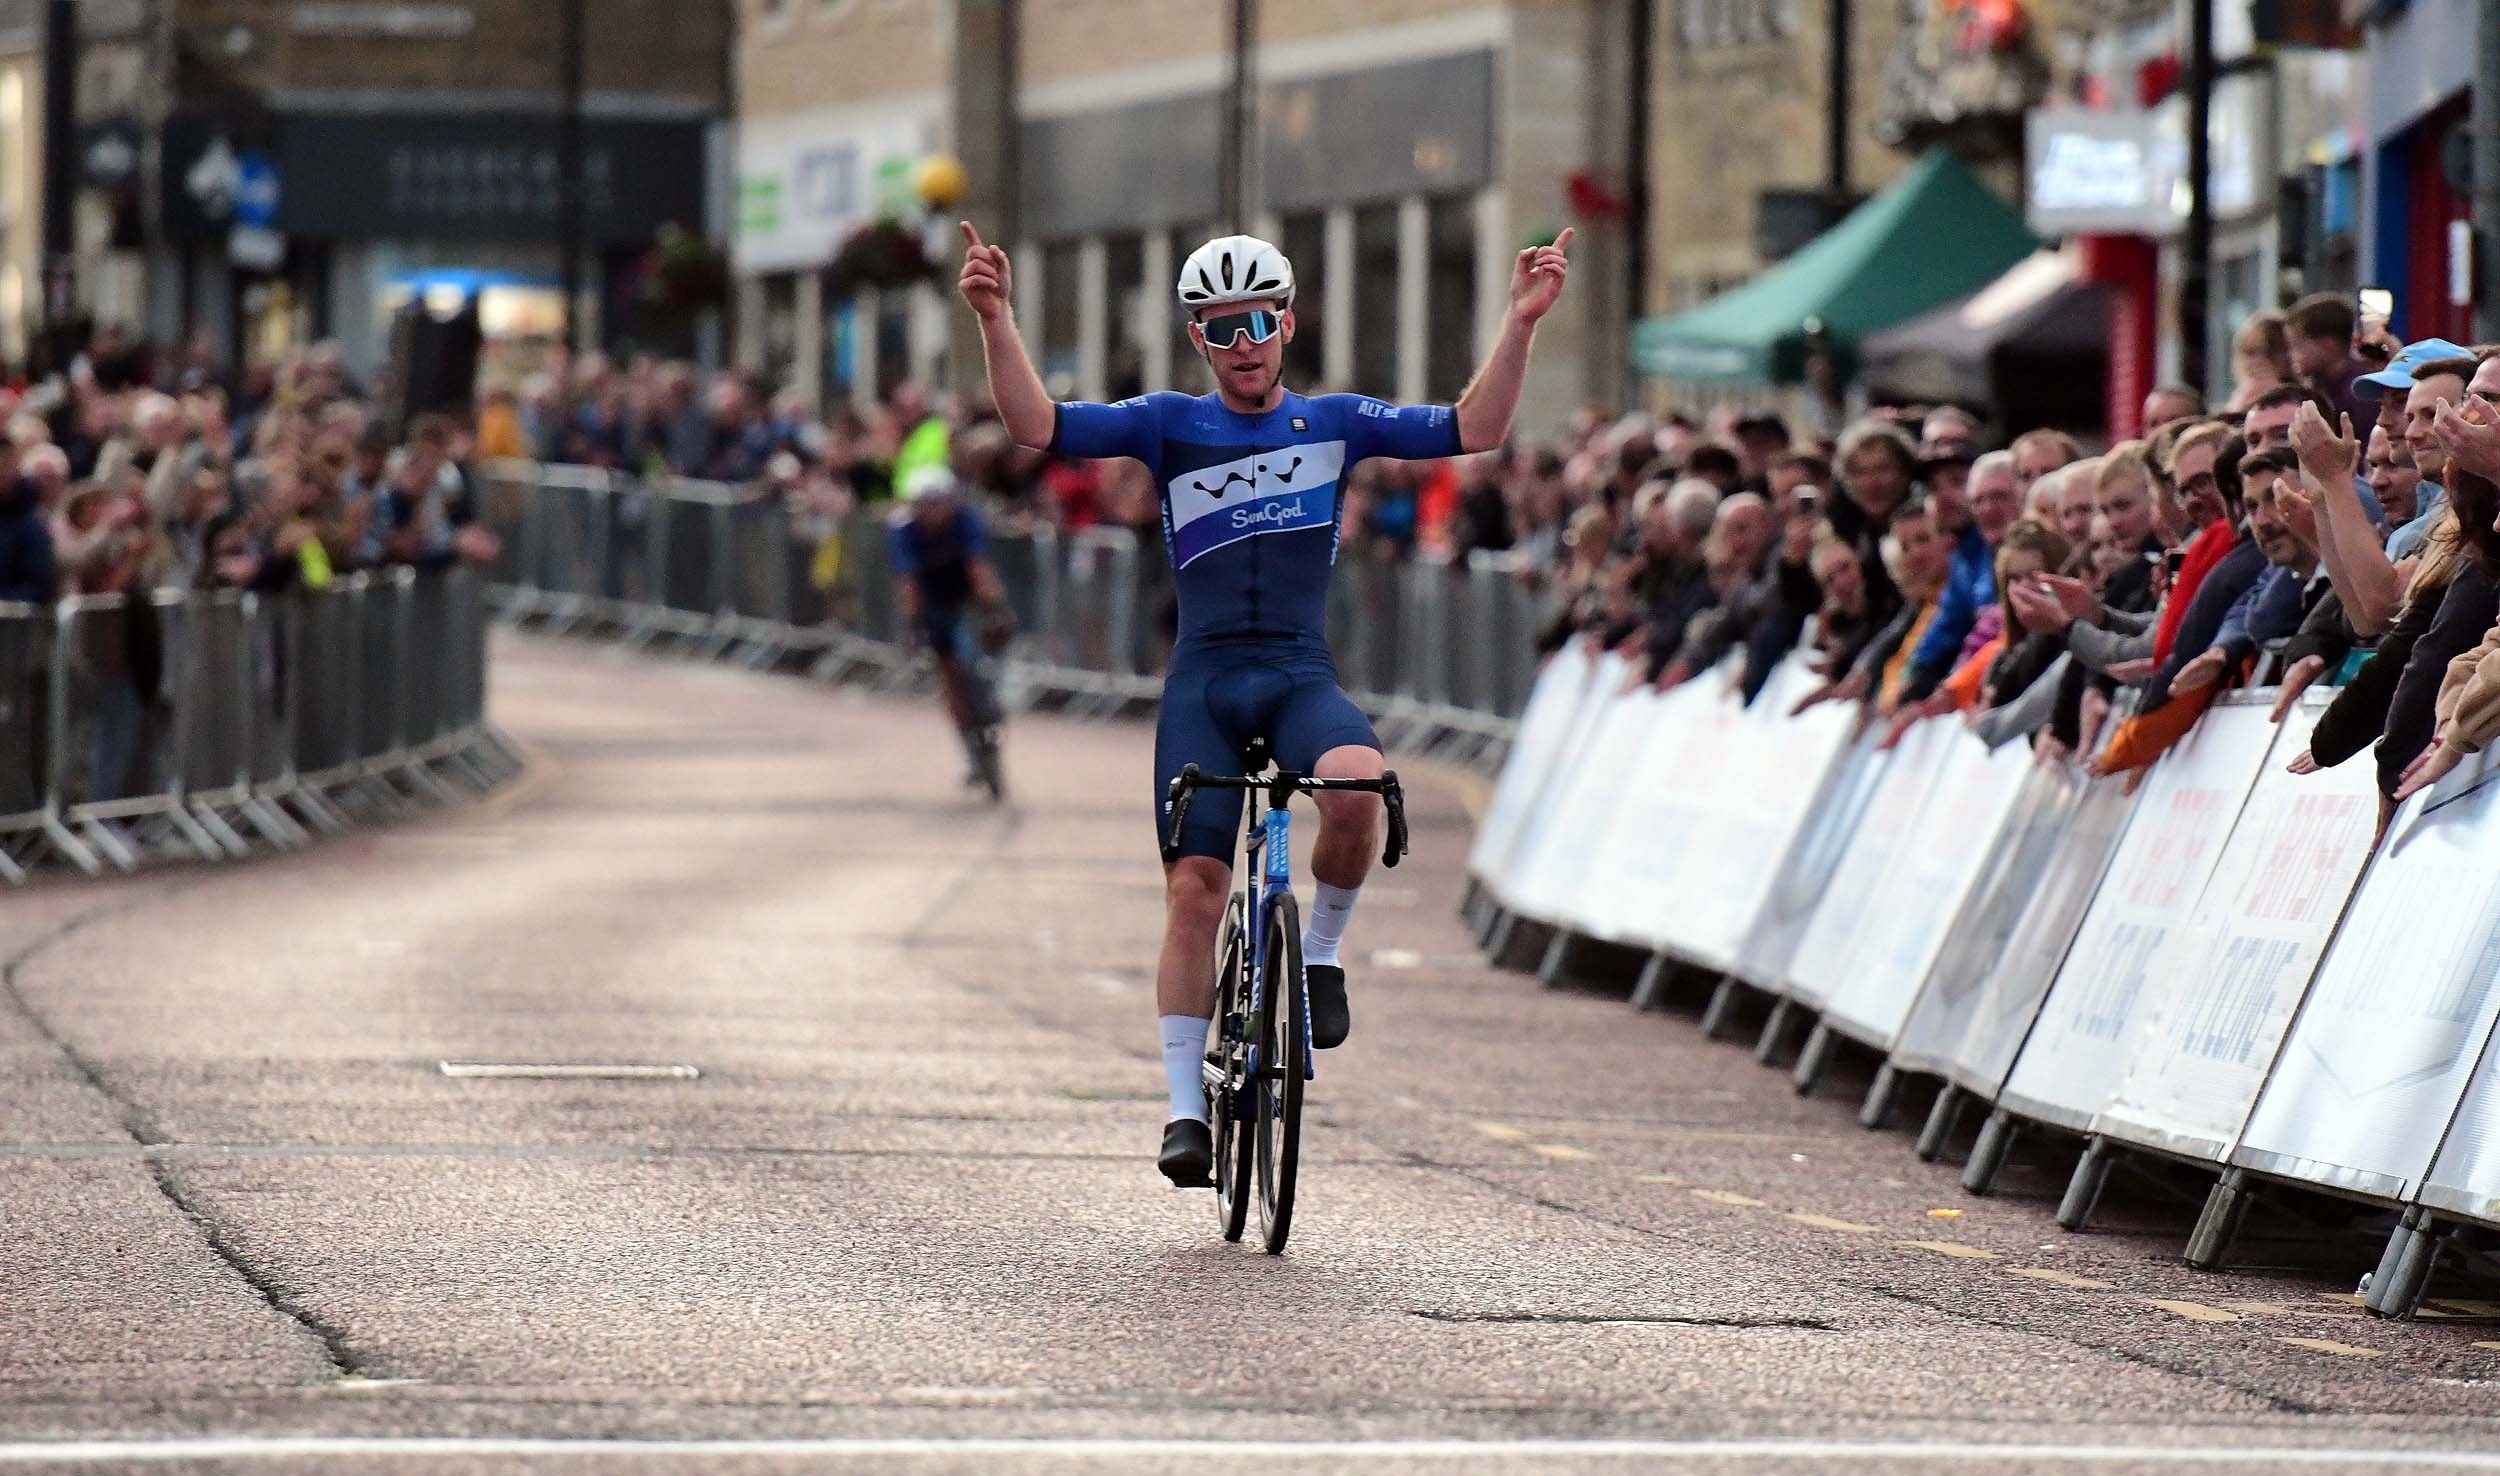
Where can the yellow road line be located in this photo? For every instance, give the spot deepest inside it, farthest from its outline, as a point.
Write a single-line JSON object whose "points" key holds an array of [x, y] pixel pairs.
{"points": [[1562, 1151], [2329, 1345], [1502, 1130], [1826, 1222], [2055, 1277], [1957, 1251], [1722, 1196], [2192, 1311]]}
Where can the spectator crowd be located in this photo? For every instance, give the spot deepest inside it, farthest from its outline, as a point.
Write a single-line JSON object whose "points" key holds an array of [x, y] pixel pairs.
{"points": [[2332, 521], [133, 473]]}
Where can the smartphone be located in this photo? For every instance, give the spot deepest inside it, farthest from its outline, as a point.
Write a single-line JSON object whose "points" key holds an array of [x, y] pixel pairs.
{"points": [[2376, 302]]}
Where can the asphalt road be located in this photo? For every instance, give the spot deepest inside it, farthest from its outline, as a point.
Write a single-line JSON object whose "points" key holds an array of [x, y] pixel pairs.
{"points": [[250, 1224]]}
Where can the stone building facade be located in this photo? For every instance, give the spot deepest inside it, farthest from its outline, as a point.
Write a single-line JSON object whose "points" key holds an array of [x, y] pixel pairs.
{"points": [[1408, 148]]}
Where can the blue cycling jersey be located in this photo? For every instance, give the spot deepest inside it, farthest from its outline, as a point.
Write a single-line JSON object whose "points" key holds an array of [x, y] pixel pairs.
{"points": [[940, 558], [1250, 502]]}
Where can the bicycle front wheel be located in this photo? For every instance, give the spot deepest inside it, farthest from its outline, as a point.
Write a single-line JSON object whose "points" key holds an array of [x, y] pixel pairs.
{"points": [[1284, 1059], [1233, 1100]]}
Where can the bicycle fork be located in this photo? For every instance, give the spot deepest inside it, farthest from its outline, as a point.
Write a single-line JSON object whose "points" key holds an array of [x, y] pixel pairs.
{"points": [[1271, 859]]}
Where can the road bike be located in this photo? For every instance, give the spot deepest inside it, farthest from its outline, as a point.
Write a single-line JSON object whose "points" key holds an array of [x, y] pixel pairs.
{"points": [[1259, 1051], [965, 661]]}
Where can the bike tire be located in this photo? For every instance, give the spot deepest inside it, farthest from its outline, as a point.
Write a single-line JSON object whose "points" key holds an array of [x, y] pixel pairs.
{"points": [[991, 766], [1284, 1060], [1233, 1136]]}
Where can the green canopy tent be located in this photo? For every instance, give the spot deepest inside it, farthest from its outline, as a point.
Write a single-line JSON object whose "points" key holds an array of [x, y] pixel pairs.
{"points": [[1936, 235]]}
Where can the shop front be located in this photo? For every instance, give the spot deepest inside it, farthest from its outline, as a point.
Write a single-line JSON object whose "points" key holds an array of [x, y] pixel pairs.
{"points": [[319, 225]]}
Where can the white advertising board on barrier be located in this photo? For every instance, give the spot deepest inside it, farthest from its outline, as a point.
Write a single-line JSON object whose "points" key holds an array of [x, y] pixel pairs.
{"points": [[1554, 838], [2465, 1178], [2382, 1050], [2220, 992], [1631, 874], [2009, 1000], [1832, 951], [1933, 869], [1563, 687], [1760, 794], [1798, 883], [2019, 863], [2075, 1054]]}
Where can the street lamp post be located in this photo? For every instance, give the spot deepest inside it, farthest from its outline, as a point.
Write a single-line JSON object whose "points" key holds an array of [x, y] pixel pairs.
{"points": [[569, 172], [2486, 169], [2196, 270], [1240, 132], [60, 167]]}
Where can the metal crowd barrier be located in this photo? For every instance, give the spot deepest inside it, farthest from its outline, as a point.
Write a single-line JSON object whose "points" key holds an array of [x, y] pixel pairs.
{"points": [[1439, 653], [2225, 968], [209, 724]]}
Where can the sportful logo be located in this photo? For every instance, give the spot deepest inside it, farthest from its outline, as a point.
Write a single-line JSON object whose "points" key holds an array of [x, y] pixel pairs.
{"points": [[1275, 495]]}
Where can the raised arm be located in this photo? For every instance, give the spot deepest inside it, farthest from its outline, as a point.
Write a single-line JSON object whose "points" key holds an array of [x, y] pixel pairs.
{"points": [[1492, 397], [1015, 386], [2348, 544]]}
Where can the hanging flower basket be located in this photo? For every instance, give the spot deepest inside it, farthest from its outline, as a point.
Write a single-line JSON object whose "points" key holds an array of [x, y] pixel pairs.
{"points": [[884, 255], [683, 274]]}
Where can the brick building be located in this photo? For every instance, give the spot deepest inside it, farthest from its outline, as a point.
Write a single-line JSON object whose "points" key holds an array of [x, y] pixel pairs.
{"points": [[1737, 152], [272, 170], [1407, 148]]}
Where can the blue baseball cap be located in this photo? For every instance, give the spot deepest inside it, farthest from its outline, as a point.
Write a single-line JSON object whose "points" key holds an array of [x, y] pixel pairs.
{"points": [[2398, 375]]}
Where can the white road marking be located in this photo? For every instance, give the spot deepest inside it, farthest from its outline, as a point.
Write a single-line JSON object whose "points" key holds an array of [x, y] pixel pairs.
{"points": [[558, 1071], [283, 1448]]}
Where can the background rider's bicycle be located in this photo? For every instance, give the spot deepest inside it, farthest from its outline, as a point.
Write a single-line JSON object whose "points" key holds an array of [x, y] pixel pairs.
{"points": [[1259, 1052]]}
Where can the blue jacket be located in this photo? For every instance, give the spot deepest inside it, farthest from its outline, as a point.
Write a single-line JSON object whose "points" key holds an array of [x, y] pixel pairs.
{"points": [[1970, 586], [27, 570]]}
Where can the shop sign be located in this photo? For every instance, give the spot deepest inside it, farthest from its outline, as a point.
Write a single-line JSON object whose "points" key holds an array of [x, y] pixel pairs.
{"points": [[2126, 173], [807, 181]]}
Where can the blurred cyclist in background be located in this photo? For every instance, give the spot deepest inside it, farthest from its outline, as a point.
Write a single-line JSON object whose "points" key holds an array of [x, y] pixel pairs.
{"points": [[941, 553]]}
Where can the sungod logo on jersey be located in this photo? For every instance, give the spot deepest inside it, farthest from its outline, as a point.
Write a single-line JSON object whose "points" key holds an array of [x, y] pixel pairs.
{"points": [[1279, 491]]}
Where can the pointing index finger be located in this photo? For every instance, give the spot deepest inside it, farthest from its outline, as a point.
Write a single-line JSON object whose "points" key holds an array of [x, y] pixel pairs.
{"points": [[972, 238], [1563, 241]]}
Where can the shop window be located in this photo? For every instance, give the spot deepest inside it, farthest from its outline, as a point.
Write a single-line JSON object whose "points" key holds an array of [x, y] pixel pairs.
{"points": [[1054, 351], [1451, 298], [1375, 298], [780, 347], [1127, 299], [1305, 244], [1189, 372]]}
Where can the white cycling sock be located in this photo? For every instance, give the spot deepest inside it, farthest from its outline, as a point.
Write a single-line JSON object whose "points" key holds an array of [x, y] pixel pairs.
{"points": [[1184, 1051], [1331, 909]]}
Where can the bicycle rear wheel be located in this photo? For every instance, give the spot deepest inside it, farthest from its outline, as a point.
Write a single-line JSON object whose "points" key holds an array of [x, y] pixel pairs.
{"points": [[1284, 1058], [1232, 1103], [987, 763]]}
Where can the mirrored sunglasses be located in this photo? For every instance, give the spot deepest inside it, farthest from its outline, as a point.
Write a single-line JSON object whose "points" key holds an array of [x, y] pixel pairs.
{"points": [[1258, 325]]}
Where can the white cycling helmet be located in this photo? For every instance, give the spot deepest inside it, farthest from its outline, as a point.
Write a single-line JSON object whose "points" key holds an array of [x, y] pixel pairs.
{"points": [[1232, 269]]}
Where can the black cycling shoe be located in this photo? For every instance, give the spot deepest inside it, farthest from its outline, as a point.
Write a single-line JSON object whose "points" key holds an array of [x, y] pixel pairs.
{"points": [[1330, 1021], [1188, 1154]]}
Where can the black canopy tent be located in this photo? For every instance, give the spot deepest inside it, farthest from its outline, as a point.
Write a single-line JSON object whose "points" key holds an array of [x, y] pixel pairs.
{"points": [[2030, 349]]}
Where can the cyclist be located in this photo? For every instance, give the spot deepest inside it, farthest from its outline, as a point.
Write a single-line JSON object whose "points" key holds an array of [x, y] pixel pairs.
{"points": [[1249, 478], [942, 553]]}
